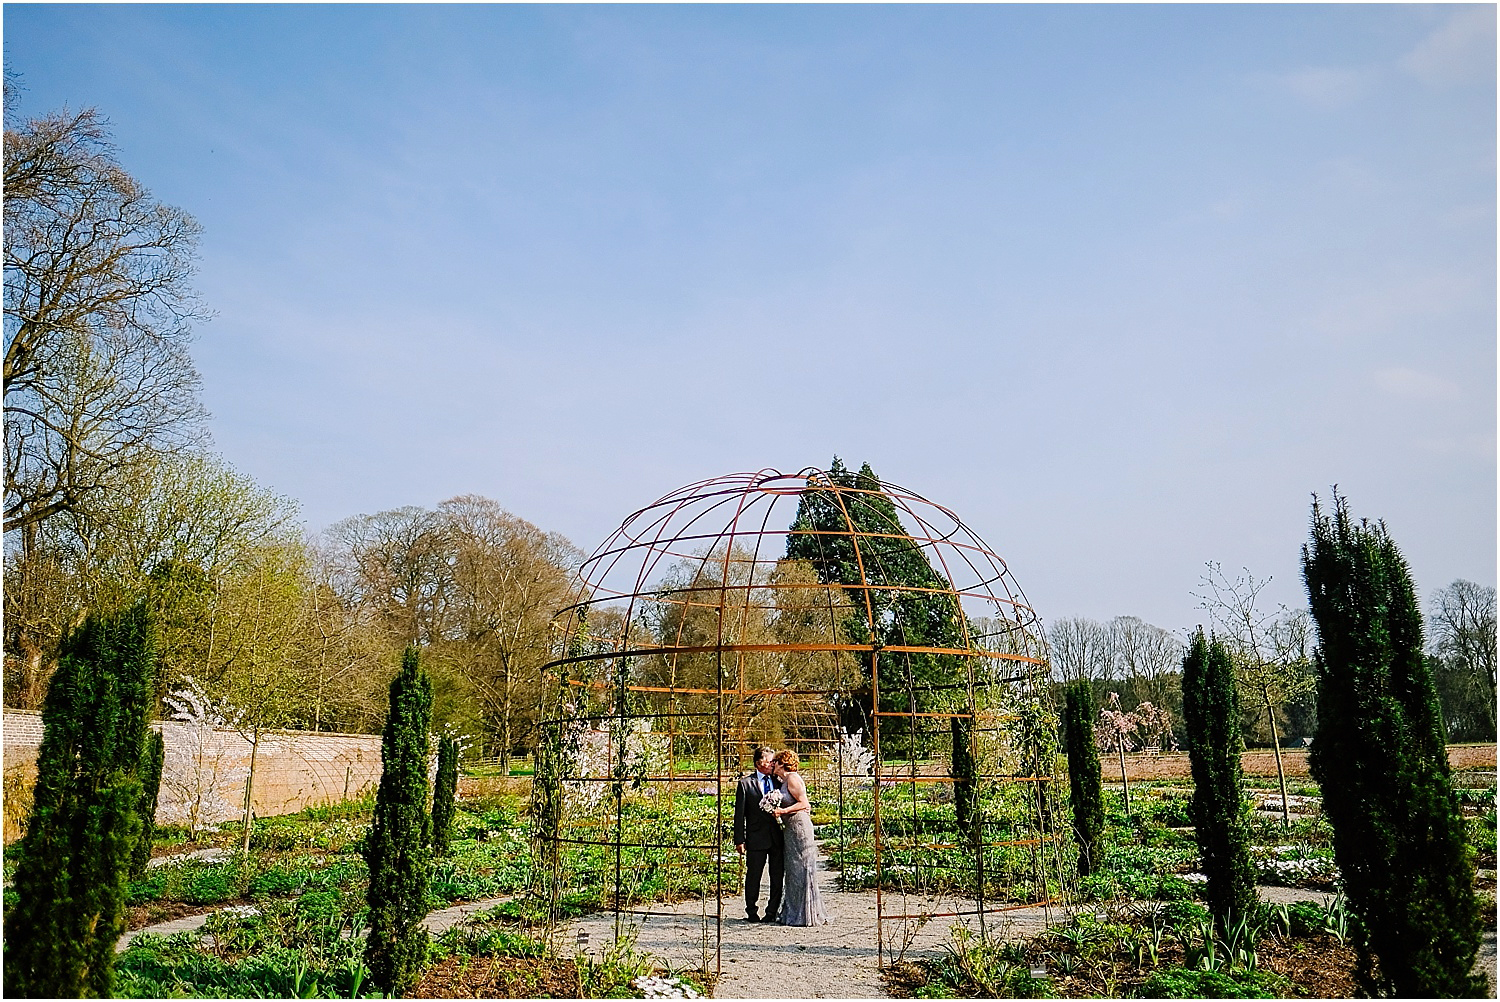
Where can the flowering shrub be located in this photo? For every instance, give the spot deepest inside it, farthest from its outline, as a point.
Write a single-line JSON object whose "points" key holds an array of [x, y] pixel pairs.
{"points": [[850, 756], [198, 771], [1294, 866], [654, 987]]}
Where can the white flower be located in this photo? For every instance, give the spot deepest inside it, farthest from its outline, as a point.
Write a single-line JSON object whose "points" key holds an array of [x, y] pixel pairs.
{"points": [[771, 801]]}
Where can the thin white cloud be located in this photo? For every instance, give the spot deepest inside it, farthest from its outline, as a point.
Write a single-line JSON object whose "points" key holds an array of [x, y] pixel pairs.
{"points": [[1413, 384], [1326, 87], [1460, 50]]}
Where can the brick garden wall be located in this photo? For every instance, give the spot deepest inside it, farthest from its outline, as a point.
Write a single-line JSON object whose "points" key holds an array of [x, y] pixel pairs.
{"points": [[1262, 762], [293, 769]]}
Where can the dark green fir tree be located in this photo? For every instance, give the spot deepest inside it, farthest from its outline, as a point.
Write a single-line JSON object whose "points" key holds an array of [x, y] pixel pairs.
{"points": [[444, 794], [71, 879], [398, 849], [153, 757], [1085, 780], [1211, 710], [850, 532], [1380, 757]]}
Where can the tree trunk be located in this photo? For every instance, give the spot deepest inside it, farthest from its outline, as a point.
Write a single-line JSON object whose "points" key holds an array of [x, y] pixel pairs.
{"points": [[1286, 816], [249, 787], [505, 737], [1124, 780]]}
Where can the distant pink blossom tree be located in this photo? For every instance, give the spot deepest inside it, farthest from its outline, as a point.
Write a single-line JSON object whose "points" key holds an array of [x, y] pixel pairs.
{"points": [[1146, 725]]}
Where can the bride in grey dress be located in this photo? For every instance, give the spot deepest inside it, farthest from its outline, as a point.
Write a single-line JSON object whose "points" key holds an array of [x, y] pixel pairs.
{"points": [[801, 903]]}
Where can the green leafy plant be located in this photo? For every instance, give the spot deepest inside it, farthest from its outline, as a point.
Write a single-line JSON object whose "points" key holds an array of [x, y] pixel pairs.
{"points": [[617, 965], [1184, 983]]}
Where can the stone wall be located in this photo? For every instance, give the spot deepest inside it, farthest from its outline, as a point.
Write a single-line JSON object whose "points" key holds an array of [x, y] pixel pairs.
{"points": [[206, 768]]}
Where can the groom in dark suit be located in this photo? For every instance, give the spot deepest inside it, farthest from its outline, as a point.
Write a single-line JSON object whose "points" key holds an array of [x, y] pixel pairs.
{"points": [[757, 836]]}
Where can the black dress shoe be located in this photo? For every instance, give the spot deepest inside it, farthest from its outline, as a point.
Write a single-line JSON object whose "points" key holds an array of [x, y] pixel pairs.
{"points": [[769, 918], [751, 918]]}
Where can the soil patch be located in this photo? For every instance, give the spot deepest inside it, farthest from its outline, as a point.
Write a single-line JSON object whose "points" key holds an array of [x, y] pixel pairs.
{"points": [[1318, 967], [1321, 967], [499, 977]]}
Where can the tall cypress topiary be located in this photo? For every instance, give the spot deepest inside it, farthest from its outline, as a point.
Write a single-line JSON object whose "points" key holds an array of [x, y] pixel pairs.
{"points": [[444, 793], [1380, 758], [398, 849], [1085, 781], [153, 755], [1211, 708], [71, 879]]}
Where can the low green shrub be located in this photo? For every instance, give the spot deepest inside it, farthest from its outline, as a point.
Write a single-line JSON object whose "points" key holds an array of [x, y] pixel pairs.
{"points": [[1298, 919], [278, 880], [1181, 916], [213, 884], [1181, 983]]}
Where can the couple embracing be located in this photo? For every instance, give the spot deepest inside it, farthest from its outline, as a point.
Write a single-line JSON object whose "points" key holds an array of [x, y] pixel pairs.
{"points": [[773, 824]]}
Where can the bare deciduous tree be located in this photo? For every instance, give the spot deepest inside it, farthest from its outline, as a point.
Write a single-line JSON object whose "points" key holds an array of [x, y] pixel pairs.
{"points": [[1144, 656], [1080, 650], [1463, 640], [98, 317], [1271, 650]]}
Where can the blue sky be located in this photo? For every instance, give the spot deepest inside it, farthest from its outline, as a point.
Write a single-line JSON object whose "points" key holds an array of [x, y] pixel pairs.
{"points": [[1121, 285]]}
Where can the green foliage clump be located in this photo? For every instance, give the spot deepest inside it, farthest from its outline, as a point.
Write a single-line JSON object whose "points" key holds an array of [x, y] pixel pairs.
{"points": [[1380, 757], [285, 949], [1211, 707], [153, 755], [444, 794], [398, 851], [1182, 983], [75, 858], [1085, 782], [974, 966]]}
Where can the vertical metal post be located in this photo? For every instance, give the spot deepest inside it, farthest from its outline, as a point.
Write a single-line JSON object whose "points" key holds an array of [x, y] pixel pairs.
{"points": [[719, 822], [879, 836]]}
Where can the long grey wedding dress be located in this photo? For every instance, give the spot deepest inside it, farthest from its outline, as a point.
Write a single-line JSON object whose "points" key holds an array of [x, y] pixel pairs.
{"points": [[801, 903]]}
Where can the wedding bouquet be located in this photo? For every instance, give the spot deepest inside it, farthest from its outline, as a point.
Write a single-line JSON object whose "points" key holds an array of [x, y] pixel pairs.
{"points": [[770, 802]]}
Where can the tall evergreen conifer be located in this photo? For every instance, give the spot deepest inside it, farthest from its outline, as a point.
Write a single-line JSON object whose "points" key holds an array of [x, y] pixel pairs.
{"points": [[854, 538], [1380, 757], [1085, 779], [153, 756], [398, 849], [1211, 709], [84, 824], [444, 794]]}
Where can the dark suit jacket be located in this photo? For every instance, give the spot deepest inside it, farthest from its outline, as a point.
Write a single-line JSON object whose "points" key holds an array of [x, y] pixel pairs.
{"points": [[754, 827]]}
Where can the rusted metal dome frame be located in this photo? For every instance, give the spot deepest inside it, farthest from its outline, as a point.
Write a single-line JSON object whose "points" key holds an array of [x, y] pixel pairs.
{"points": [[678, 528]]}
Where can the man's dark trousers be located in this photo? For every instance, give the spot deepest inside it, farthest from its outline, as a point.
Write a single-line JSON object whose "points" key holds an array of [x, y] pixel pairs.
{"points": [[762, 839]]}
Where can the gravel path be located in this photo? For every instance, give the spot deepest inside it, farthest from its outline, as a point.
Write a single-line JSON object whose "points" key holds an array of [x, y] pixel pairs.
{"points": [[770, 961], [761, 961]]}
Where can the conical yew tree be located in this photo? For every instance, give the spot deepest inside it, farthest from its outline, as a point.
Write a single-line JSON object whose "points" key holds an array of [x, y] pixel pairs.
{"points": [[1380, 757], [153, 757], [84, 825], [1211, 710], [1085, 780], [398, 849], [444, 794]]}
